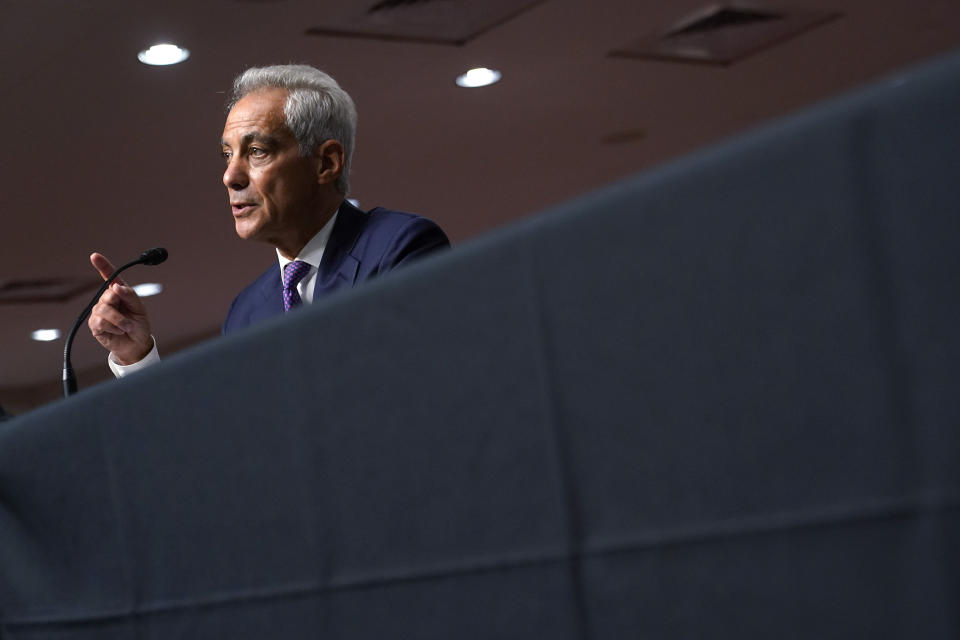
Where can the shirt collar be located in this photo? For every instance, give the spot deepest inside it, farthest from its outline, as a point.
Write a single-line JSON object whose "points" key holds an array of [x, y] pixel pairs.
{"points": [[312, 252]]}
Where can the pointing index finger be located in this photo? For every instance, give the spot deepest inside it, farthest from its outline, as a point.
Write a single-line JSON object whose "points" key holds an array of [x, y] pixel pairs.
{"points": [[102, 265]]}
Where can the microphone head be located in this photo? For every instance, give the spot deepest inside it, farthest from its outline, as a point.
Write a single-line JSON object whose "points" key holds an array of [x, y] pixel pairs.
{"points": [[153, 256]]}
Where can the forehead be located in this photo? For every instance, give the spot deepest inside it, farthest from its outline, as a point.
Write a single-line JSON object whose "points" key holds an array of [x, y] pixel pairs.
{"points": [[260, 112]]}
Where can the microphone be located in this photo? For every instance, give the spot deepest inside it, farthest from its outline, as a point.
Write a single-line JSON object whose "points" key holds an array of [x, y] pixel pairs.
{"points": [[149, 257]]}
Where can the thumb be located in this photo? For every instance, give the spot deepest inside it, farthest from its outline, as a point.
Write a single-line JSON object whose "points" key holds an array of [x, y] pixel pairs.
{"points": [[129, 297]]}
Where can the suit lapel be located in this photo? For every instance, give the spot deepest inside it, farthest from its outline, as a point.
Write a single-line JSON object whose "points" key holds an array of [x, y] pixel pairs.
{"points": [[271, 295], [338, 266]]}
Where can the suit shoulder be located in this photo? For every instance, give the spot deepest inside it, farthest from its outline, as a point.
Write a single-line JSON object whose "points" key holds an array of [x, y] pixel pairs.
{"points": [[387, 219], [262, 282], [250, 297], [400, 236], [386, 223]]}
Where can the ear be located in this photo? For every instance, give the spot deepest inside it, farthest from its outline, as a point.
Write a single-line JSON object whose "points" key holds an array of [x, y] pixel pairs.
{"points": [[330, 160]]}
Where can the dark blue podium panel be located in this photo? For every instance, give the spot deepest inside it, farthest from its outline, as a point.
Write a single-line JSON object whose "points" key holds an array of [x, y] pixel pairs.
{"points": [[482, 604], [884, 576], [761, 351], [716, 400]]}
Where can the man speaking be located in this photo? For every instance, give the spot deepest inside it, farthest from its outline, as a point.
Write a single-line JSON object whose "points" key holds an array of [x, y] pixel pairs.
{"points": [[287, 145]]}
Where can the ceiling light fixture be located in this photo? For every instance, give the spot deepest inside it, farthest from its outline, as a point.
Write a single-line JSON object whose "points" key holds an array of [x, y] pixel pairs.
{"points": [[479, 77], [163, 54], [148, 289], [45, 335]]}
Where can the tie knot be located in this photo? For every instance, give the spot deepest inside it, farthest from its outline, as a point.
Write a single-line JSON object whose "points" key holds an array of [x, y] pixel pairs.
{"points": [[294, 273]]}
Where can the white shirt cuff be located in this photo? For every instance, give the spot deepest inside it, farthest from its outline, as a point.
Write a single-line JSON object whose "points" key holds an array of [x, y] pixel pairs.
{"points": [[121, 370]]}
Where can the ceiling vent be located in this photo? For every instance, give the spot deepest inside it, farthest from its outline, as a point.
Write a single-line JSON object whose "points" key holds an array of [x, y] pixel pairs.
{"points": [[724, 34], [626, 136], [393, 4], [451, 22], [44, 289]]}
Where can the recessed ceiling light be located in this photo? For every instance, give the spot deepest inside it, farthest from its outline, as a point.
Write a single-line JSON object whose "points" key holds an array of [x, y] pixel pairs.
{"points": [[163, 54], [148, 289], [479, 77], [45, 335]]}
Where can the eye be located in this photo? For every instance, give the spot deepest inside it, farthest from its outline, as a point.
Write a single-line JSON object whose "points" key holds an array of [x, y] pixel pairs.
{"points": [[226, 155], [257, 152]]}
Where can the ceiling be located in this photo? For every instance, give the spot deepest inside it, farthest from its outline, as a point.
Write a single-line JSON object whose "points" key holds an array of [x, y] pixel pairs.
{"points": [[107, 154]]}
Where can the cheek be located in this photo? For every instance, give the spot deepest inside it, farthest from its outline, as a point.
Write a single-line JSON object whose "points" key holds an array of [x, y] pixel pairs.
{"points": [[269, 185], [260, 187]]}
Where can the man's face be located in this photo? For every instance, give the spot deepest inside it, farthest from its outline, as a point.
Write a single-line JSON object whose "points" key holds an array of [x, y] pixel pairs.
{"points": [[274, 193]]}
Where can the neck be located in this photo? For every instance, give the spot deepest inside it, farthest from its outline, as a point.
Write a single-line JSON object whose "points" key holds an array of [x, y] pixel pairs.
{"points": [[291, 246]]}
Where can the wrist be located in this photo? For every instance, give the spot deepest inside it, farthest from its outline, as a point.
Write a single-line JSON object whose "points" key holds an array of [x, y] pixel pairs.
{"points": [[121, 370], [131, 356]]}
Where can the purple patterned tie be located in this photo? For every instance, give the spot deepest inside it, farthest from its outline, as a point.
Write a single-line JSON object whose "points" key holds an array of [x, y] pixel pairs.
{"points": [[292, 274]]}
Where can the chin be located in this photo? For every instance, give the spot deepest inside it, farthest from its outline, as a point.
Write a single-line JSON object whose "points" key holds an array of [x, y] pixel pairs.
{"points": [[247, 230]]}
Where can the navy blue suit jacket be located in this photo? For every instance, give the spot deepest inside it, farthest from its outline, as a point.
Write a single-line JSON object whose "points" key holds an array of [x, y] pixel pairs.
{"points": [[361, 246]]}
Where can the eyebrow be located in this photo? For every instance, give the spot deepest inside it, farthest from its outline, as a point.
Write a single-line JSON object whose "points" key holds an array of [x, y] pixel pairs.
{"points": [[253, 136]]}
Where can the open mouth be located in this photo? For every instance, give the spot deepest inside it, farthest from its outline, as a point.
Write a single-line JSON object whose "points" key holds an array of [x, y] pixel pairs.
{"points": [[241, 208]]}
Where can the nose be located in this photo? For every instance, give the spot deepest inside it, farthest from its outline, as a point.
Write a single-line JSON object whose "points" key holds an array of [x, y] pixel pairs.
{"points": [[235, 177]]}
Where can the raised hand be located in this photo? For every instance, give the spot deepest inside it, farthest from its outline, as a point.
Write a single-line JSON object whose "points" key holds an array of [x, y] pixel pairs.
{"points": [[119, 320]]}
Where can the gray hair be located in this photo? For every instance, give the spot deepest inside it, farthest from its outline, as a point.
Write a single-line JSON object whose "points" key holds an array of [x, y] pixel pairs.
{"points": [[316, 110]]}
